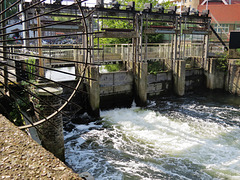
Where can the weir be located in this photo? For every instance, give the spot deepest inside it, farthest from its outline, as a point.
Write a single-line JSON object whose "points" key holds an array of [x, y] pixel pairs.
{"points": [[148, 69]]}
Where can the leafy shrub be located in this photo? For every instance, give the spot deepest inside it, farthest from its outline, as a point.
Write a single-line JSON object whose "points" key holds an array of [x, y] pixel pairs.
{"points": [[113, 67], [154, 67], [222, 62], [31, 68]]}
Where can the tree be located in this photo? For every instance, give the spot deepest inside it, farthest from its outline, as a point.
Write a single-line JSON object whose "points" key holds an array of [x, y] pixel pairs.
{"points": [[12, 10]]}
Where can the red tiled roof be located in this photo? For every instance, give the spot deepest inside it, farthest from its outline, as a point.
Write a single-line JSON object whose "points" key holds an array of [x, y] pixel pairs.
{"points": [[223, 13]]}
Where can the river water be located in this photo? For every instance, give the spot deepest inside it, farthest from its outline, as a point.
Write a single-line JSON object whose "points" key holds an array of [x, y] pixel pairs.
{"points": [[193, 137]]}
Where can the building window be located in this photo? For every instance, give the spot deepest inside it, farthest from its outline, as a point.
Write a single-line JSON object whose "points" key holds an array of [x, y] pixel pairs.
{"points": [[237, 27], [221, 28]]}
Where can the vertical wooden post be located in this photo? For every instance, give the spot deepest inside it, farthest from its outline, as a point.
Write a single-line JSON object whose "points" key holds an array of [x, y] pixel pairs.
{"points": [[39, 30], [205, 47]]}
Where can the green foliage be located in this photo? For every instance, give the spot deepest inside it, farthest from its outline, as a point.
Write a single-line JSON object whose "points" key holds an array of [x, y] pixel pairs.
{"points": [[31, 68], [154, 67], [167, 4], [62, 18], [155, 38], [17, 106], [24, 83], [222, 62], [139, 4], [13, 9], [238, 50], [238, 63], [9, 40], [113, 67]]}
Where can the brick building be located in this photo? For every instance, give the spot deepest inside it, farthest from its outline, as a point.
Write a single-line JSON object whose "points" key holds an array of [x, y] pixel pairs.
{"points": [[225, 16]]}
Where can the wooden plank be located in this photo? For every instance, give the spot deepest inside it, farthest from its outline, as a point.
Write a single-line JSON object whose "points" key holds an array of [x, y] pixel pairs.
{"points": [[114, 34], [160, 31], [117, 30], [200, 32], [162, 27]]}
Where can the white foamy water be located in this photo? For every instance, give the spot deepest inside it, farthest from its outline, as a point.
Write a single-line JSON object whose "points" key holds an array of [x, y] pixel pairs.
{"points": [[191, 142], [61, 76]]}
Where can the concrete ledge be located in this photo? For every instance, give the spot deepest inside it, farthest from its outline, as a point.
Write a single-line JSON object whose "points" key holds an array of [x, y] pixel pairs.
{"points": [[54, 90], [22, 158]]}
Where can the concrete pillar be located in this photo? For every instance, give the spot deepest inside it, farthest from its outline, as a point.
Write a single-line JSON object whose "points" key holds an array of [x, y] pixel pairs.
{"points": [[214, 77], [51, 134], [179, 77], [79, 67], [94, 90], [232, 83], [141, 84]]}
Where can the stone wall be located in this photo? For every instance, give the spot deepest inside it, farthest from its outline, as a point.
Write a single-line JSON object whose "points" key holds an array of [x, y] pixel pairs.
{"points": [[51, 131]]}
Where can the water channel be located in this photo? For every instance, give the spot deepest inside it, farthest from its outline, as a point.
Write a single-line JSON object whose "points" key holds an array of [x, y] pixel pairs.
{"points": [[193, 137]]}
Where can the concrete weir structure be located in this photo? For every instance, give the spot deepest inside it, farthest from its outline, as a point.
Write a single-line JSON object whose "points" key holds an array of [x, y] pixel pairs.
{"points": [[116, 87]]}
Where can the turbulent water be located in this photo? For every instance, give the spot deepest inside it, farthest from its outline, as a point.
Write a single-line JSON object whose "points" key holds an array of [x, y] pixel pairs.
{"points": [[61, 76], [195, 137]]}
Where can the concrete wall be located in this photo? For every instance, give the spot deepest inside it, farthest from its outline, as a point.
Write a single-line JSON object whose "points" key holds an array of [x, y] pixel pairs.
{"points": [[215, 79], [116, 89], [140, 83], [194, 79], [159, 84], [179, 77], [115, 83], [233, 77]]}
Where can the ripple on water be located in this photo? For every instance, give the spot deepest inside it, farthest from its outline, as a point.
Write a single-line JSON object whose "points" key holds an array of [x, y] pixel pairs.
{"points": [[188, 140]]}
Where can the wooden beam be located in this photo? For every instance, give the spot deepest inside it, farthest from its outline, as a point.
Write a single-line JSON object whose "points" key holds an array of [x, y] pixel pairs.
{"points": [[114, 34]]}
